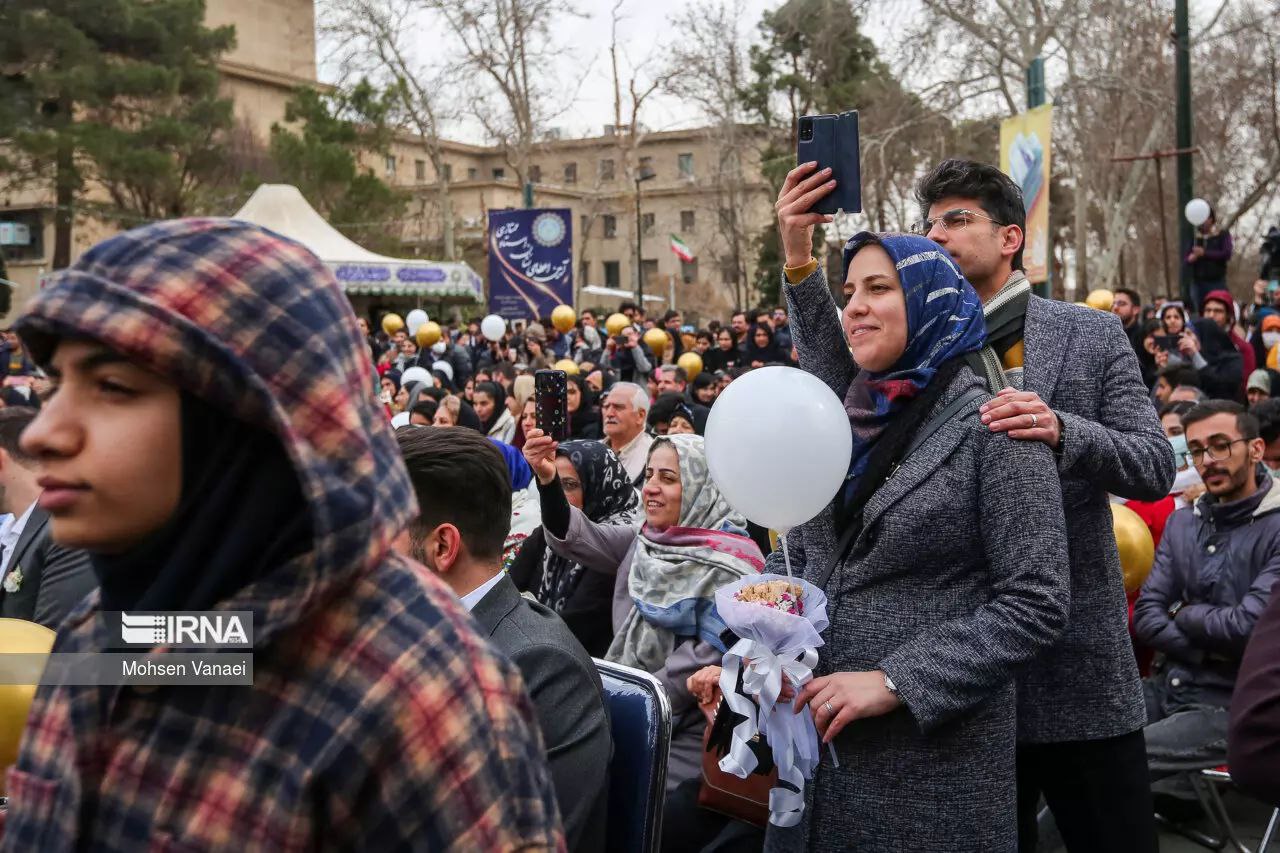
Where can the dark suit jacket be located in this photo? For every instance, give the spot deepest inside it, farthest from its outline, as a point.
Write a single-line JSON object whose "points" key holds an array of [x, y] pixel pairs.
{"points": [[54, 578], [569, 701]]}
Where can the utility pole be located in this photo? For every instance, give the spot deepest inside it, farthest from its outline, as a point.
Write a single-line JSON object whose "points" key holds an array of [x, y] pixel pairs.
{"points": [[1182, 55], [1036, 98]]}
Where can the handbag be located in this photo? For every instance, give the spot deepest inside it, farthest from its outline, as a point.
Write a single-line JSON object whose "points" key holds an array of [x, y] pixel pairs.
{"points": [[746, 799]]}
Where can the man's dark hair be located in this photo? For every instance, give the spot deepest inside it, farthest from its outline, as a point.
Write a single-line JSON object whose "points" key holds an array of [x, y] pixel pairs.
{"points": [[460, 478], [680, 373], [13, 420], [752, 315], [1177, 407], [1268, 414], [1180, 374], [669, 316], [999, 196], [426, 408], [625, 306], [1245, 422], [1132, 294]]}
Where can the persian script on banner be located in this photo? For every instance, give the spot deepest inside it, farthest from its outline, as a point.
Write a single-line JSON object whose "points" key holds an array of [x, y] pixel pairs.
{"points": [[530, 262]]}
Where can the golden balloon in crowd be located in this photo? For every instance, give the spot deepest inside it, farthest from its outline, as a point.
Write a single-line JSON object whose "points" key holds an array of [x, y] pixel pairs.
{"points": [[428, 333], [616, 323], [657, 341], [691, 363], [568, 365], [563, 318], [30, 644], [392, 323], [1100, 299], [1137, 548]]}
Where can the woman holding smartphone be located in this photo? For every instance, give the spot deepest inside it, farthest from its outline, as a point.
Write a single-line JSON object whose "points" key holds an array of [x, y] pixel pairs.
{"points": [[944, 564]]}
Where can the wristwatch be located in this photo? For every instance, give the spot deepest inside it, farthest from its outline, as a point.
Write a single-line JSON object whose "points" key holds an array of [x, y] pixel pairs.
{"points": [[889, 685]]}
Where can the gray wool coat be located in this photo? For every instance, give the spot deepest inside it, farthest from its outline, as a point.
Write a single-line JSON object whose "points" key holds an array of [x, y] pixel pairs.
{"points": [[958, 578]]}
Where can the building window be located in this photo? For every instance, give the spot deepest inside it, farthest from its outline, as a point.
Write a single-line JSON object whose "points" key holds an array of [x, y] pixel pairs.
{"points": [[391, 165], [535, 174], [728, 273], [647, 221], [688, 223], [686, 165], [606, 169], [645, 163], [419, 170], [650, 270], [499, 174], [447, 170], [689, 271], [570, 173], [612, 274], [726, 220], [610, 226], [582, 226], [22, 235], [472, 173]]}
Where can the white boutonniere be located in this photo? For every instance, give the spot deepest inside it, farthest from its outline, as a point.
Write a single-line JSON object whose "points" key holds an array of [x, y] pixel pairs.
{"points": [[13, 580]]}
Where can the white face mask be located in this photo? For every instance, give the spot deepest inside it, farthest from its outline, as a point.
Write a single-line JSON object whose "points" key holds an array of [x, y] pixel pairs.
{"points": [[1270, 339], [1184, 480], [438, 348]]}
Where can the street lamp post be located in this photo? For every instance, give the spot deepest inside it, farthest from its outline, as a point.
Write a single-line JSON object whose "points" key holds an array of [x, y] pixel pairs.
{"points": [[644, 174]]}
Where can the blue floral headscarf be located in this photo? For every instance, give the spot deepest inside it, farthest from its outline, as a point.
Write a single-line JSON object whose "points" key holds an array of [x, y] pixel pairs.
{"points": [[944, 321]]}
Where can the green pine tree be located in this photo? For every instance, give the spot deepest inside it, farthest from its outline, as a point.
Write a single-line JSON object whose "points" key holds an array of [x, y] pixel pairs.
{"points": [[114, 97], [320, 153]]}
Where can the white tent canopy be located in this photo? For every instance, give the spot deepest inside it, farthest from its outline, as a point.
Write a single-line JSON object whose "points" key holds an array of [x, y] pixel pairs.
{"points": [[282, 208], [597, 290]]}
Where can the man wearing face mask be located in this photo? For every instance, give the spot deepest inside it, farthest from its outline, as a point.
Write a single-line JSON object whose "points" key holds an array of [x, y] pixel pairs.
{"points": [[446, 350], [1212, 578]]}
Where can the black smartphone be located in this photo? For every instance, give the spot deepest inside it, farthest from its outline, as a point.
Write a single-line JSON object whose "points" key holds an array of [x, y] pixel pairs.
{"points": [[1168, 343], [551, 393], [832, 141]]}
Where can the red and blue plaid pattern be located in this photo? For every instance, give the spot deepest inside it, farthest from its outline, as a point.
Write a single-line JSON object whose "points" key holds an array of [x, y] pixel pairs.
{"points": [[379, 719]]}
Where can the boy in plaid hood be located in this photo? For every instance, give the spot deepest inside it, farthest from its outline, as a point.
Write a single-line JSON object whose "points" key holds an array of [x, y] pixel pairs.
{"points": [[214, 444]]}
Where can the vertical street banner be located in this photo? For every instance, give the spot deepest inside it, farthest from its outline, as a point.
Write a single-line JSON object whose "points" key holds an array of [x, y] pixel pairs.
{"points": [[1024, 156], [530, 262]]}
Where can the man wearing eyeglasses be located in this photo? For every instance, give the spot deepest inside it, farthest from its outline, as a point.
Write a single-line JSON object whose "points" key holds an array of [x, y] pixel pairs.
{"points": [[1211, 581], [1066, 376]]}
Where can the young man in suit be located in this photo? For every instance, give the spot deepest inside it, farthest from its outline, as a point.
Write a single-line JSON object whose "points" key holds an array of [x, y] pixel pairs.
{"points": [[39, 581], [1066, 376], [464, 502]]}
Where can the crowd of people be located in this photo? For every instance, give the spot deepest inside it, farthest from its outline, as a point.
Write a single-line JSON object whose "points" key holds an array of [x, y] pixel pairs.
{"points": [[195, 420]]}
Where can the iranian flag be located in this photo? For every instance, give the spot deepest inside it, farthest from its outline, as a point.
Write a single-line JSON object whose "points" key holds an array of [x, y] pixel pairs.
{"points": [[681, 250]]}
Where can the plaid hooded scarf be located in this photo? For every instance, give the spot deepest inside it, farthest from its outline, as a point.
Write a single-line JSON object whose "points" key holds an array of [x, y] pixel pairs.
{"points": [[378, 718], [944, 321]]}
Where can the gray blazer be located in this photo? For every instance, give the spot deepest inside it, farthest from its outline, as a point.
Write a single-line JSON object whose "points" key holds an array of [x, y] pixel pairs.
{"points": [[569, 700], [1081, 364], [54, 578], [958, 578]]}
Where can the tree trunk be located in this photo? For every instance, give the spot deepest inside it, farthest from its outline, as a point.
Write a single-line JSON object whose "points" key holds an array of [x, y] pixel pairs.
{"points": [[1082, 236], [64, 194]]}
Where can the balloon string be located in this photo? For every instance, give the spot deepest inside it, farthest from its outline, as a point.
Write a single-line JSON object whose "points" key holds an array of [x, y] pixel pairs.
{"points": [[786, 555]]}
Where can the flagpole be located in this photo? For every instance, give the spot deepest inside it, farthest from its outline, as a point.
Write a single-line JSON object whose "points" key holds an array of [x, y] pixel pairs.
{"points": [[671, 283]]}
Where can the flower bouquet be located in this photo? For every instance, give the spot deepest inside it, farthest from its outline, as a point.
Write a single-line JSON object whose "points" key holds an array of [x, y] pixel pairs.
{"points": [[779, 620]]}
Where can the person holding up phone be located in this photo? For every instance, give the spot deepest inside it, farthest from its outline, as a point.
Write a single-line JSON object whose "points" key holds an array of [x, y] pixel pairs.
{"points": [[1175, 343]]}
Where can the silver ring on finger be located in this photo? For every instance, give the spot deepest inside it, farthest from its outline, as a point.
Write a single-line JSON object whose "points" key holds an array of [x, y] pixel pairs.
{"points": [[830, 710], [1035, 421]]}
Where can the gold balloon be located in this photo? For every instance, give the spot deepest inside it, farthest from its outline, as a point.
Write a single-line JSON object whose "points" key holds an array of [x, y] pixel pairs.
{"points": [[18, 636], [428, 333], [392, 323], [616, 323], [691, 362], [568, 365], [657, 341], [1137, 548], [1100, 299], [563, 318]]}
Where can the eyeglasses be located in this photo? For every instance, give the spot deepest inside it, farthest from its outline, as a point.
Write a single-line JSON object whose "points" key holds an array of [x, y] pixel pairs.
{"points": [[952, 220], [1217, 451]]}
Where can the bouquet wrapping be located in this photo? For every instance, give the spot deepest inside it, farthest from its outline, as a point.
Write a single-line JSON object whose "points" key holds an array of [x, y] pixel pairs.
{"points": [[779, 620]]}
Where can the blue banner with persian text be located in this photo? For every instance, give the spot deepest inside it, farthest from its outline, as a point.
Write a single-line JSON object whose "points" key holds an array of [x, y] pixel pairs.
{"points": [[530, 262]]}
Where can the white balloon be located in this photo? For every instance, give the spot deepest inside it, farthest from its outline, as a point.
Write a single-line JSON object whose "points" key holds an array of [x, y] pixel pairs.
{"points": [[414, 319], [417, 374], [792, 419], [400, 420], [493, 327], [444, 367], [1197, 211]]}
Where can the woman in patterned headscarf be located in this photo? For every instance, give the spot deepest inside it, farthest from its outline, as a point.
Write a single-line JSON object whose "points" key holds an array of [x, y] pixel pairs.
{"points": [[665, 574], [595, 482]]}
